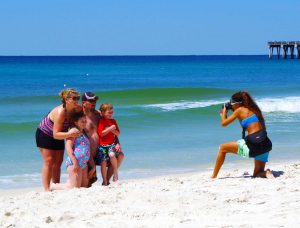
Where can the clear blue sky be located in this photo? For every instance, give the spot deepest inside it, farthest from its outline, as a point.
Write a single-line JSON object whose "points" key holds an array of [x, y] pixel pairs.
{"points": [[145, 27]]}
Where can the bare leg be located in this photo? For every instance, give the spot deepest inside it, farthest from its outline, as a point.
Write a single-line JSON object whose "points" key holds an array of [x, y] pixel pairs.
{"points": [[259, 170], [61, 186], [47, 167], [230, 147], [104, 172], [110, 169], [58, 159], [85, 180], [120, 159], [78, 178], [114, 164], [110, 172], [73, 181]]}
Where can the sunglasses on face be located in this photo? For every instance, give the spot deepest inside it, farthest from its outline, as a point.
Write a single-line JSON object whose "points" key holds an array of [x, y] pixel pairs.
{"points": [[77, 98], [91, 101]]}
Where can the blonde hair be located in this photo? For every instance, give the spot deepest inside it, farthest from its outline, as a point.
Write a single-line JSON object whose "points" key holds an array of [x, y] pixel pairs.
{"points": [[64, 94], [106, 106]]}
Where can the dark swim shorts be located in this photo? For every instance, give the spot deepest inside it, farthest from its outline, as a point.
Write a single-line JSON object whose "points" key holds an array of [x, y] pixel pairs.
{"points": [[103, 153], [45, 141]]}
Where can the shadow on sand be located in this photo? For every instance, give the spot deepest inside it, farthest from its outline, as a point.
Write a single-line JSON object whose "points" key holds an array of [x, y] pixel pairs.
{"points": [[277, 173], [247, 175]]}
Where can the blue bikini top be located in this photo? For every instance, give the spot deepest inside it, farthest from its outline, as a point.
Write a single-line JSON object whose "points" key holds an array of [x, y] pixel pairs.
{"points": [[249, 120]]}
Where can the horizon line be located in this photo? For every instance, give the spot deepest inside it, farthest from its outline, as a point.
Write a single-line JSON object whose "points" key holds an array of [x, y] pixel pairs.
{"points": [[162, 55]]}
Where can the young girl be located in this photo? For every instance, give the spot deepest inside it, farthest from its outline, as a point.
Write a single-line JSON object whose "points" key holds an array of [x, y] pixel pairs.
{"points": [[108, 130], [78, 150]]}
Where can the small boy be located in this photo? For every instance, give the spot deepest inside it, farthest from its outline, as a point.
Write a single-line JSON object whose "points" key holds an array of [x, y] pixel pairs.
{"points": [[108, 130]]}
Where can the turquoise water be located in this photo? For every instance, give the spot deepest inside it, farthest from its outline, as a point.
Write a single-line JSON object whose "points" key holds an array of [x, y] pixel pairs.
{"points": [[167, 107]]}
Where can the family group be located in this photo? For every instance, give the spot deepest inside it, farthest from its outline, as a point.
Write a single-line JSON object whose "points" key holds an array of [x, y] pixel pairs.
{"points": [[89, 136], [92, 139]]}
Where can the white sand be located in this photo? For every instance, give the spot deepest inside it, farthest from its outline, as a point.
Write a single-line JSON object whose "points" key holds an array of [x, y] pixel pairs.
{"points": [[189, 200]]}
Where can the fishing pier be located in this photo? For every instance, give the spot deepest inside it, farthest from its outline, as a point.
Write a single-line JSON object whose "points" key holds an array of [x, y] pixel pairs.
{"points": [[288, 47]]}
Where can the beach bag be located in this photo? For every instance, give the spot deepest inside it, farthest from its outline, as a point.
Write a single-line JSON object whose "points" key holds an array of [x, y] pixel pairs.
{"points": [[258, 143]]}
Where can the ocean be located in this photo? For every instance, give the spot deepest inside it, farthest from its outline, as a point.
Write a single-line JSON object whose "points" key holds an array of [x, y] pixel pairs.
{"points": [[166, 106]]}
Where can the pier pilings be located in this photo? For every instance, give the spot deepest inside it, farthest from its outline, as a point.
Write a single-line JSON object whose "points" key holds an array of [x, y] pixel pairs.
{"points": [[288, 47]]}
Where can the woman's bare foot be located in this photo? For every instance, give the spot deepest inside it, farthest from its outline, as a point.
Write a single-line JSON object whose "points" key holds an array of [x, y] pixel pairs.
{"points": [[53, 187], [115, 178], [269, 174]]}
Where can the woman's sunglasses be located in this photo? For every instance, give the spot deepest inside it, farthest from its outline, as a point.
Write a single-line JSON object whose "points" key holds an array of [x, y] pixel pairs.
{"points": [[77, 98]]}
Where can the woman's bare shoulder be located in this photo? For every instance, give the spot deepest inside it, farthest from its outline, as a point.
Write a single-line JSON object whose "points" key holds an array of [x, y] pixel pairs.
{"points": [[244, 112], [57, 113]]}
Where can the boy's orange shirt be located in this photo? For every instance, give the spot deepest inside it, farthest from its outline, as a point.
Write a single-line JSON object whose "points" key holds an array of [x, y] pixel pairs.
{"points": [[110, 137]]}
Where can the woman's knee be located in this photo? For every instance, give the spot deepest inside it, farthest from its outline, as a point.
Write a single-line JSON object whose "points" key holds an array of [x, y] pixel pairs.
{"points": [[230, 147], [259, 167], [49, 161], [222, 149]]}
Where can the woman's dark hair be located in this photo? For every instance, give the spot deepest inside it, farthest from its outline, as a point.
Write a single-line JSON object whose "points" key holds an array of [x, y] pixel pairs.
{"points": [[75, 116], [248, 102]]}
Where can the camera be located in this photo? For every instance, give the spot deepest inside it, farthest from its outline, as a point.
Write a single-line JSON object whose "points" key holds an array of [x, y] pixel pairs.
{"points": [[228, 106]]}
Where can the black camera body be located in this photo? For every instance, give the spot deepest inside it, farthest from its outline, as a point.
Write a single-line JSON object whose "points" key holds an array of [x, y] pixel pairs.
{"points": [[228, 106]]}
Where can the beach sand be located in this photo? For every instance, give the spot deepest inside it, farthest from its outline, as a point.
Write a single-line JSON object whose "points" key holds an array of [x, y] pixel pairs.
{"points": [[184, 200]]}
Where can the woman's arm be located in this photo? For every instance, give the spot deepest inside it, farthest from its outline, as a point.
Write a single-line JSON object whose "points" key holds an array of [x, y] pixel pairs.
{"points": [[224, 120], [58, 118]]}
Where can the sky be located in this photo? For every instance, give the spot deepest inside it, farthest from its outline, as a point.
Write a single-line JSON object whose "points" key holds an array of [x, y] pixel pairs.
{"points": [[145, 27]]}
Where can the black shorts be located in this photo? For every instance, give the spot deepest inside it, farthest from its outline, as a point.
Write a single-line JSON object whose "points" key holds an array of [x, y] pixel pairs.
{"points": [[45, 141]]}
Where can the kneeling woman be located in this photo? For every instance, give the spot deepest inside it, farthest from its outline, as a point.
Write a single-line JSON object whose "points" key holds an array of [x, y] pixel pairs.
{"points": [[256, 144]]}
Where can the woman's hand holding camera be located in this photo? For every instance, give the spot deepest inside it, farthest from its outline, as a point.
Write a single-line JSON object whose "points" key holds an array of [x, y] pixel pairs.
{"points": [[223, 110]]}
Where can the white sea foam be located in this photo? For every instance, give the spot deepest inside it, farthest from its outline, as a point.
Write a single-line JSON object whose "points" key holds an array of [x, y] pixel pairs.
{"points": [[278, 104], [23, 180], [185, 105]]}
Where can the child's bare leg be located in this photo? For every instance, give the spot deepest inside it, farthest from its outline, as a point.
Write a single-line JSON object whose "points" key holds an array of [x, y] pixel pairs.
{"points": [[104, 172], [71, 183], [79, 178], [73, 177], [84, 179], [120, 159], [114, 164], [110, 170]]}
